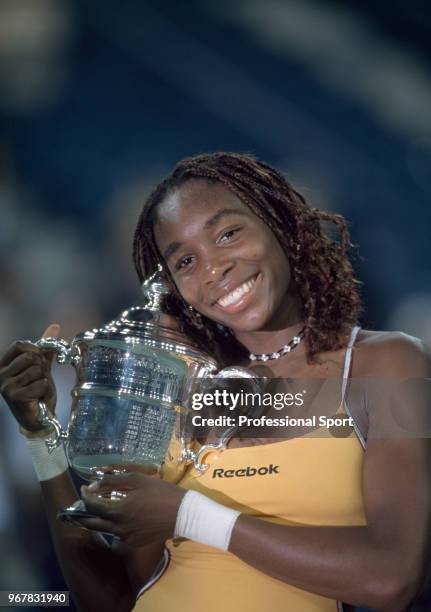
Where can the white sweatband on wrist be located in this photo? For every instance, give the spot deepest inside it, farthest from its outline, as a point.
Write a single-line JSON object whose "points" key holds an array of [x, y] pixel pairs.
{"points": [[205, 521], [47, 465]]}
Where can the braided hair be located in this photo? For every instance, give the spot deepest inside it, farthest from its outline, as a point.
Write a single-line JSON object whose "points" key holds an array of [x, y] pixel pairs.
{"points": [[321, 271]]}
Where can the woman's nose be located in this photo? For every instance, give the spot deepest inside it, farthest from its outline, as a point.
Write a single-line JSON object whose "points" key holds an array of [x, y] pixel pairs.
{"points": [[215, 271]]}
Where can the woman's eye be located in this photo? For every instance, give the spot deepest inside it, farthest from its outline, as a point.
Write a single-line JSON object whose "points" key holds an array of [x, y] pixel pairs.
{"points": [[183, 263], [226, 236]]}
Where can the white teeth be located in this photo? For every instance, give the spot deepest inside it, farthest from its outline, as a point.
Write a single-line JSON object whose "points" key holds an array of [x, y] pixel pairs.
{"points": [[236, 294]]}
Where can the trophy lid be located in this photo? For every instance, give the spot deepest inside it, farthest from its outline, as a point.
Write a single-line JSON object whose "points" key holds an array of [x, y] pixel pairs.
{"points": [[147, 323]]}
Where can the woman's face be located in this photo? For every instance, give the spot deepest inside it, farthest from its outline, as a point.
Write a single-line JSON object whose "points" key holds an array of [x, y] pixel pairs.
{"points": [[225, 261]]}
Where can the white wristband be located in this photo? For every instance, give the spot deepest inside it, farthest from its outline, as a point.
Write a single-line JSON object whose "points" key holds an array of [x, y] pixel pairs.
{"points": [[205, 521], [47, 465]]}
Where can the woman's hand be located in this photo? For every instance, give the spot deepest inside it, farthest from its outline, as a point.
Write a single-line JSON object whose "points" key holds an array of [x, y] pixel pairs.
{"points": [[25, 380], [145, 515]]}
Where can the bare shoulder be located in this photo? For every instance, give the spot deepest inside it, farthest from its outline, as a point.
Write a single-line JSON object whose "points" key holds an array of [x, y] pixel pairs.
{"points": [[391, 353]]}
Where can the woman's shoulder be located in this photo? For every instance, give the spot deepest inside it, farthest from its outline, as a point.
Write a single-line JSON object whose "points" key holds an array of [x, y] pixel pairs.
{"points": [[391, 353]]}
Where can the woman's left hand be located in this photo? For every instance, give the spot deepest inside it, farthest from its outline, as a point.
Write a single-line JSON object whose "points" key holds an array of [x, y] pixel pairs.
{"points": [[147, 513]]}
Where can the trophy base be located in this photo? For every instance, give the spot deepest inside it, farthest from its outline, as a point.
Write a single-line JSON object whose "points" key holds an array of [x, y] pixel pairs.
{"points": [[76, 511]]}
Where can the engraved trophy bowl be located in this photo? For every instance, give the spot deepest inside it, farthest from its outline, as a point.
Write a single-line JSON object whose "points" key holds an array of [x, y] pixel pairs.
{"points": [[134, 378]]}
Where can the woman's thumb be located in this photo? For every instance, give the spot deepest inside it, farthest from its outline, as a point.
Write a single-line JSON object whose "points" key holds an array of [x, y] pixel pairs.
{"points": [[51, 331]]}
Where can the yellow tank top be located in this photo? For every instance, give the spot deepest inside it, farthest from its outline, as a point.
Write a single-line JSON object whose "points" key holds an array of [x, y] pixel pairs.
{"points": [[302, 481]]}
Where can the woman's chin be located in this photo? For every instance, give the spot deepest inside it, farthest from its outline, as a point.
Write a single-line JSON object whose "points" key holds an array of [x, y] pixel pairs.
{"points": [[246, 325]]}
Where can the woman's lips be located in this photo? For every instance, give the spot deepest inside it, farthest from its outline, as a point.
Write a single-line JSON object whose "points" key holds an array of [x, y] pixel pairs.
{"points": [[240, 297]]}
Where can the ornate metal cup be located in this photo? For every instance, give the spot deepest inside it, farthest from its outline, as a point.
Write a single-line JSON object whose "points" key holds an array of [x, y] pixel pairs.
{"points": [[134, 380]]}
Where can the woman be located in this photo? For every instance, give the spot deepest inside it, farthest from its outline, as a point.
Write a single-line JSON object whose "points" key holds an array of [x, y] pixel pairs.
{"points": [[339, 519]]}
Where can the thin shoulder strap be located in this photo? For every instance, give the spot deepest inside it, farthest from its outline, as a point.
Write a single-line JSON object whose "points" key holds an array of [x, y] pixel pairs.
{"points": [[345, 384], [348, 361]]}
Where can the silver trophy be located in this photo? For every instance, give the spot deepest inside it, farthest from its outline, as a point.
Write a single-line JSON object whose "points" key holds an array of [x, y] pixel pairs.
{"points": [[135, 377]]}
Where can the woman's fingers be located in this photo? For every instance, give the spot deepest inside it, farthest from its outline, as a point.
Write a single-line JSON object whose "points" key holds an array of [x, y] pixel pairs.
{"points": [[103, 507], [124, 482], [33, 391], [31, 374], [96, 524], [22, 362], [17, 349], [51, 331], [16, 386], [110, 514]]}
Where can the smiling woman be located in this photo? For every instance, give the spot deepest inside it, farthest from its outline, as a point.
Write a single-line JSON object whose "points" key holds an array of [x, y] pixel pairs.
{"points": [[253, 274], [303, 523]]}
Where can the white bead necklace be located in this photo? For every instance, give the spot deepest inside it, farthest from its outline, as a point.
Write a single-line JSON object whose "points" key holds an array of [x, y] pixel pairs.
{"points": [[284, 349]]}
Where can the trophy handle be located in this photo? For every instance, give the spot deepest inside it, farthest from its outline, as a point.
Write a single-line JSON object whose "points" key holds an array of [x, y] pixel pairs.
{"points": [[64, 352], [191, 456], [65, 355], [47, 420]]}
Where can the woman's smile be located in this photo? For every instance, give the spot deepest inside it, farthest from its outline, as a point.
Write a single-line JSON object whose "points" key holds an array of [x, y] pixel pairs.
{"points": [[240, 297]]}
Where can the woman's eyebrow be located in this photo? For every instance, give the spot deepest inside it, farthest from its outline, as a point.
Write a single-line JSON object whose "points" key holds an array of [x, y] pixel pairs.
{"points": [[221, 213], [174, 246]]}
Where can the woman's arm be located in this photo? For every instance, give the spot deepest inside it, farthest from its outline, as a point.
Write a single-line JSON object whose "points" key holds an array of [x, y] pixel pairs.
{"points": [[97, 576], [381, 565]]}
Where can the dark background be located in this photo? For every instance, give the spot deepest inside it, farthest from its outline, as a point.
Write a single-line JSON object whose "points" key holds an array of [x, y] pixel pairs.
{"points": [[98, 100]]}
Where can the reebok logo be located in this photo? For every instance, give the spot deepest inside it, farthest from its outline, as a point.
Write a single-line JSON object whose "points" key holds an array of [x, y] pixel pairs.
{"points": [[248, 471]]}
